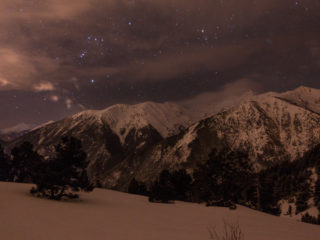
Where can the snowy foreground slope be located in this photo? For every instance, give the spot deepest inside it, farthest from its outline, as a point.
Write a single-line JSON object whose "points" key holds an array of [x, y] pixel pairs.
{"points": [[106, 214]]}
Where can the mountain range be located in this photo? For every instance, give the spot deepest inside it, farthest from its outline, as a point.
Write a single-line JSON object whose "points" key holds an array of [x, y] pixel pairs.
{"points": [[126, 141]]}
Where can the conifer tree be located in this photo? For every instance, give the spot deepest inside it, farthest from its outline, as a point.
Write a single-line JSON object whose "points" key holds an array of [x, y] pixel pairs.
{"points": [[162, 189], [317, 193], [181, 184], [65, 174], [4, 165], [136, 187], [24, 159], [226, 176]]}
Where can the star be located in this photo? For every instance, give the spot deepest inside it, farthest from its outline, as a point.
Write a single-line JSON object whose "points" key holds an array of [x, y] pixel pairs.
{"points": [[83, 54]]}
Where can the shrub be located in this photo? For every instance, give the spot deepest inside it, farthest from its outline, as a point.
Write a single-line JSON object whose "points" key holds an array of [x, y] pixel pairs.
{"points": [[307, 218], [230, 232], [136, 187]]}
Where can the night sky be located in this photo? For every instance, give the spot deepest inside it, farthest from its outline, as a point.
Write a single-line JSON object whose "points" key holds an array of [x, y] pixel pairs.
{"points": [[58, 57]]}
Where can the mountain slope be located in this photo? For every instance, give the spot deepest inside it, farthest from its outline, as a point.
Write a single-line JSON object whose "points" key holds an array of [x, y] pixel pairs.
{"points": [[308, 98], [269, 127]]}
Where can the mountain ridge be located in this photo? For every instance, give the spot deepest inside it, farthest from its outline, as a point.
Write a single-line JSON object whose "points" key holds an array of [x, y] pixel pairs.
{"points": [[126, 141]]}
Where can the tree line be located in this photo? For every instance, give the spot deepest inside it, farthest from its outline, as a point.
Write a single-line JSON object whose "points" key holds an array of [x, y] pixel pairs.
{"points": [[228, 178], [57, 177]]}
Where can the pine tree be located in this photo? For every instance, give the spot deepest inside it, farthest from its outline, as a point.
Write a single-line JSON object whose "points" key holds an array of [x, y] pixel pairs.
{"points": [[4, 165], [302, 201], [181, 183], [65, 174], [317, 193], [136, 187], [162, 189], [24, 159], [307, 218], [226, 176], [289, 211]]}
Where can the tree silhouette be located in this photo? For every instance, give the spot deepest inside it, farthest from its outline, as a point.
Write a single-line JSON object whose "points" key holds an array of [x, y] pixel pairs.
{"points": [[24, 159], [162, 189], [136, 187], [226, 176], [4, 165], [181, 183], [63, 175]]}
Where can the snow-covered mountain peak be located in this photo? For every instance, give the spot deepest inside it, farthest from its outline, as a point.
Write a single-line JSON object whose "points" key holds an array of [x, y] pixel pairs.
{"points": [[303, 97], [18, 128], [308, 98], [166, 118], [210, 103], [9, 134]]}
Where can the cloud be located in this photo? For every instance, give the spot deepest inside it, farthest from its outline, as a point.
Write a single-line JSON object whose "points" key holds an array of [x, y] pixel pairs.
{"points": [[45, 9], [69, 103], [227, 96], [21, 71], [139, 50], [151, 50], [43, 41], [3, 82], [44, 87], [54, 98], [196, 59]]}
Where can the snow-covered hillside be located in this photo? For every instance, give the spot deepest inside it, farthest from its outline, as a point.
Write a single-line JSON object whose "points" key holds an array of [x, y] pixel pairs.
{"points": [[106, 214]]}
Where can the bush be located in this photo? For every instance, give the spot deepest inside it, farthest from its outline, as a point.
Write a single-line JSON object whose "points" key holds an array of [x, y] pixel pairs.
{"points": [[307, 218], [231, 232], [138, 188], [221, 203]]}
